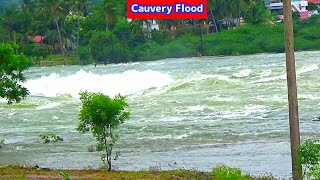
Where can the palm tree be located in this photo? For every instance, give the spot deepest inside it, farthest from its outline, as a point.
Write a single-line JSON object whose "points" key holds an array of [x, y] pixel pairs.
{"points": [[213, 6], [57, 9], [79, 6], [236, 7], [110, 10], [11, 21]]}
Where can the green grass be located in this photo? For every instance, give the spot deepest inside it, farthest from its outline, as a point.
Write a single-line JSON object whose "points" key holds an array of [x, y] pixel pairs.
{"points": [[57, 59], [219, 173]]}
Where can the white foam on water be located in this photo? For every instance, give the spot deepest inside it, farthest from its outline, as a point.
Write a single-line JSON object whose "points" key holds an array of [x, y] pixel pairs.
{"points": [[126, 83], [221, 99], [196, 108], [300, 71], [191, 79], [308, 96], [306, 69], [245, 112], [55, 117], [171, 119], [48, 106], [265, 73], [243, 73]]}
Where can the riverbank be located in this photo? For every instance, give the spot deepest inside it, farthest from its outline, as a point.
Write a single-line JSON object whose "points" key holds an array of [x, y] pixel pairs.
{"points": [[222, 172], [244, 40]]}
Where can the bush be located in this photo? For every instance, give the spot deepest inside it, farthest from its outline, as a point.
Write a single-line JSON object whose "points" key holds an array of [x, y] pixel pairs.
{"points": [[101, 115], [227, 173], [84, 53], [309, 153]]}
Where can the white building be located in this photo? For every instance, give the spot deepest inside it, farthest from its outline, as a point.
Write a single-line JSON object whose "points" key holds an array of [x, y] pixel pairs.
{"points": [[297, 5]]}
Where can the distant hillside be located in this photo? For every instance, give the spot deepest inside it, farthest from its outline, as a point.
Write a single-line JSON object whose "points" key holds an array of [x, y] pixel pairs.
{"points": [[7, 3]]}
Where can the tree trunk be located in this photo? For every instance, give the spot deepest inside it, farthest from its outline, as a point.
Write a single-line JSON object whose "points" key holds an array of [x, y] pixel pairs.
{"points": [[78, 35], [214, 21], [239, 12], [110, 155], [106, 147], [107, 22], [60, 38], [15, 41]]}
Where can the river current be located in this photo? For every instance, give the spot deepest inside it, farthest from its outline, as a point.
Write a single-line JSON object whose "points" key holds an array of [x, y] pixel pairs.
{"points": [[188, 113]]}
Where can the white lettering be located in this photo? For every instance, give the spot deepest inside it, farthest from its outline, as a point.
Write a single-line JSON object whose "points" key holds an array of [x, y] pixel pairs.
{"points": [[193, 9], [133, 8], [169, 10], [178, 8], [200, 8], [182, 8]]}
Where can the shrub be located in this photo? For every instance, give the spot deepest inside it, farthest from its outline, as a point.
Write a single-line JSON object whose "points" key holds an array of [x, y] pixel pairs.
{"points": [[101, 115], [309, 153], [84, 53], [227, 173]]}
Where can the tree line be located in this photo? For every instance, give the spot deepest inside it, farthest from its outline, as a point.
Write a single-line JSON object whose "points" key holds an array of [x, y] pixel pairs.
{"points": [[99, 30]]}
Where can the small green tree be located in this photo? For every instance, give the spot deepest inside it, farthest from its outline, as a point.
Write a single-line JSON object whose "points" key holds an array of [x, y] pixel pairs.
{"points": [[11, 68], [101, 115], [309, 153]]}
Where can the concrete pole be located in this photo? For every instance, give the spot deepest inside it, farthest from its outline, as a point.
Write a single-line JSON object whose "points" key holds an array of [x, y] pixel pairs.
{"points": [[292, 91]]}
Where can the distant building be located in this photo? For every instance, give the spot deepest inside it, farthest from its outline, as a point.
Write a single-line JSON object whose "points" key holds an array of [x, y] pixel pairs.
{"points": [[38, 39], [297, 5], [150, 25]]}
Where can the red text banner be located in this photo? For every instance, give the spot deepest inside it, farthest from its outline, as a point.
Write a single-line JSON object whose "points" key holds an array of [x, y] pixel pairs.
{"points": [[167, 9]]}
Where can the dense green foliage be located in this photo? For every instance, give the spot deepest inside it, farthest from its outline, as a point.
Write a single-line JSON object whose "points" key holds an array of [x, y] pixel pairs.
{"points": [[11, 68], [101, 115], [247, 39], [99, 29], [310, 159]]}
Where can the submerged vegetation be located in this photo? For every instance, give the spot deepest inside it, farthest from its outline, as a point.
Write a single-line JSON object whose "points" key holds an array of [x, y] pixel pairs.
{"points": [[1, 143], [51, 138]]}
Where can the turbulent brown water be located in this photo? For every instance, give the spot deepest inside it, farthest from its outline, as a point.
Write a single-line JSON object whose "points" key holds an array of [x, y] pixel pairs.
{"points": [[186, 113]]}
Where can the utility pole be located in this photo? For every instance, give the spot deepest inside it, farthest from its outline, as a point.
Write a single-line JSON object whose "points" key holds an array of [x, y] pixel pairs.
{"points": [[292, 91]]}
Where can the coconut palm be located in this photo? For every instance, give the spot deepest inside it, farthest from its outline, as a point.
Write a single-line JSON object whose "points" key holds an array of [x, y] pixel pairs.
{"points": [[58, 10], [111, 11]]}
